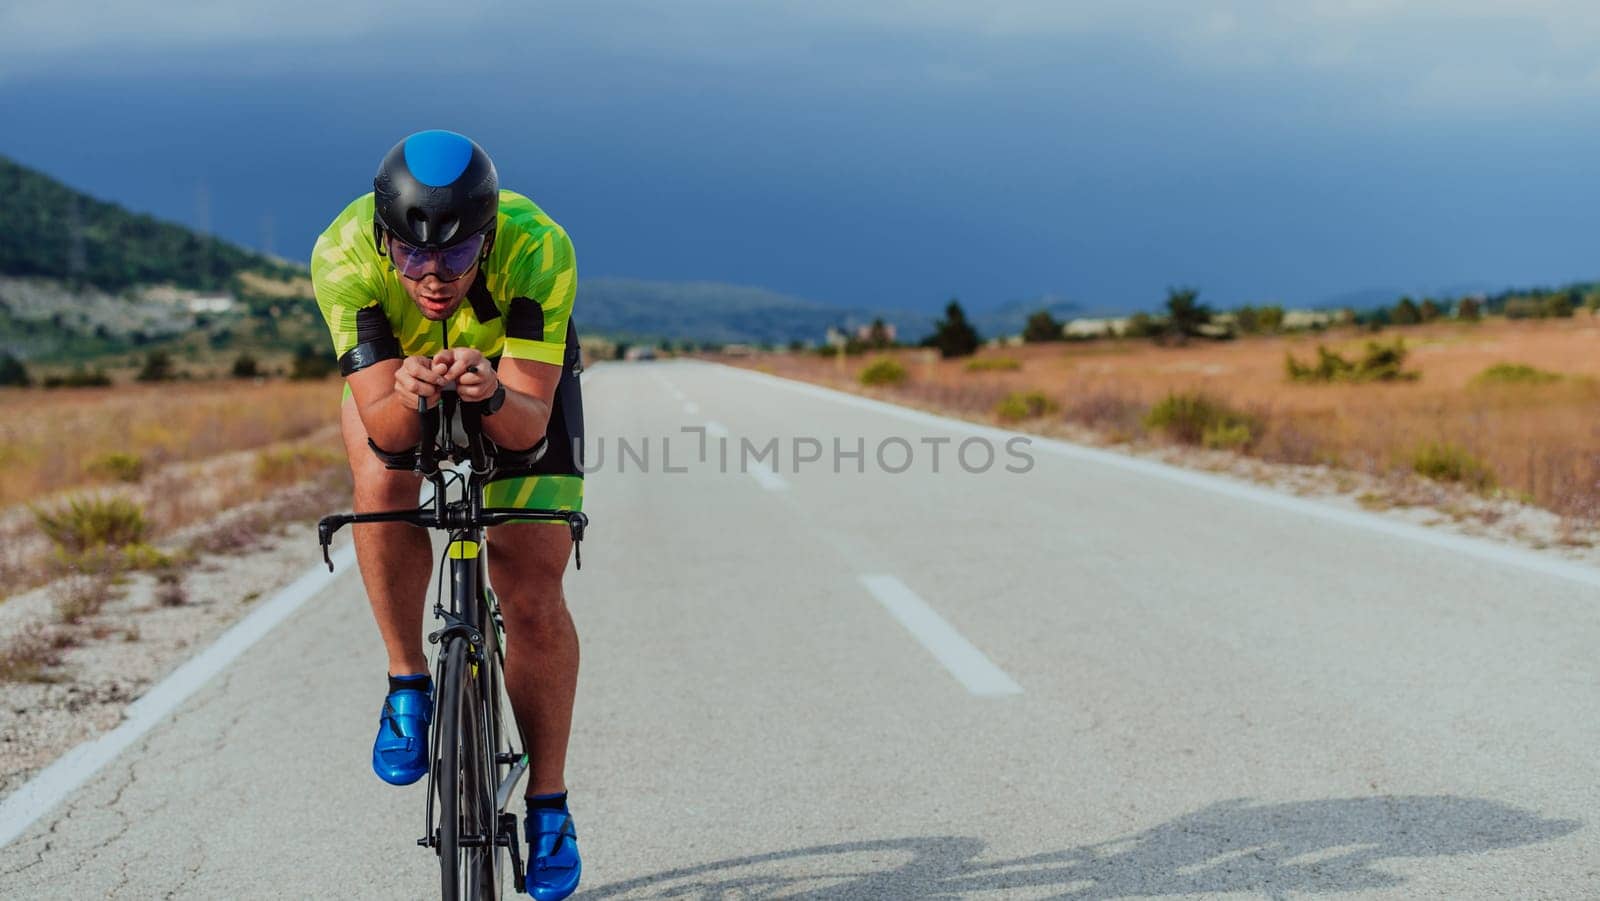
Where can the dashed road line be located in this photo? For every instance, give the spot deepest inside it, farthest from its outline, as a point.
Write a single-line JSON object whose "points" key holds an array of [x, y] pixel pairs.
{"points": [[964, 661]]}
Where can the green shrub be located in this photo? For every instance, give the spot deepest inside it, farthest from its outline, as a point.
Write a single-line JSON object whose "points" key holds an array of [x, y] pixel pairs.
{"points": [[1227, 435], [1445, 462], [79, 378], [157, 367], [1020, 405], [1195, 418], [993, 364], [245, 366], [83, 523], [1515, 374], [310, 365], [118, 465], [884, 371], [1380, 363]]}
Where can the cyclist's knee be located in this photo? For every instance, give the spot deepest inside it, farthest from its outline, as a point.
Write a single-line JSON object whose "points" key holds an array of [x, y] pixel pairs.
{"points": [[377, 487]]}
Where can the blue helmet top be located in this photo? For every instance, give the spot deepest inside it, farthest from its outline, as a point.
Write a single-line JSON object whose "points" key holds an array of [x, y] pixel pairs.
{"points": [[434, 189]]}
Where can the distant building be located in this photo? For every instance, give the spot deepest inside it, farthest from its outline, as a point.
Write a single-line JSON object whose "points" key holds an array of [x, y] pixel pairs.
{"points": [[217, 303], [1095, 328], [864, 332]]}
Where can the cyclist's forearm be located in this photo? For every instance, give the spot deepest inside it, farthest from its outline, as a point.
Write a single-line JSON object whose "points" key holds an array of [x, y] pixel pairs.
{"points": [[391, 423], [519, 423]]}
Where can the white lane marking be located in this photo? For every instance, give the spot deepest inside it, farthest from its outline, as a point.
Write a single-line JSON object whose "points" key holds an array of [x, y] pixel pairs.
{"points": [[964, 661], [1481, 548], [71, 770], [691, 408], [767, 479]]}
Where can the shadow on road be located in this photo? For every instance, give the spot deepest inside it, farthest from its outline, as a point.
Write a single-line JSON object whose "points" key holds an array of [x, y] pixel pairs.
{"points": [[1232, 846]]}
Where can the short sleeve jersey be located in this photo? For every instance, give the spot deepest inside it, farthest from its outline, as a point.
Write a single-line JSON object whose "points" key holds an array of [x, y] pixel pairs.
{"points": [[517, 306]]}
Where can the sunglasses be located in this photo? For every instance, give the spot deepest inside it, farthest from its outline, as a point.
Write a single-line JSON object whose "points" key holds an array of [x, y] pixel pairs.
{"points": [[447, 265]]}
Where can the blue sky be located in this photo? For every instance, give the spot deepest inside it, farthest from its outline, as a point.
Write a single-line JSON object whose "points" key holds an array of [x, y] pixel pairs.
{"points": [[890, 154]]}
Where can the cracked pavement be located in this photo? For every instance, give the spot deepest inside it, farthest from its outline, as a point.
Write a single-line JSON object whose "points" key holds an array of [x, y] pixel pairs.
{"points": [[1219, 699]]}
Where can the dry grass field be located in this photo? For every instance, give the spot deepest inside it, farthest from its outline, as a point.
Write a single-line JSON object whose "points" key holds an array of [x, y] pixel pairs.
{"points": [[61, 438], [130, 465], [1535, 438]]}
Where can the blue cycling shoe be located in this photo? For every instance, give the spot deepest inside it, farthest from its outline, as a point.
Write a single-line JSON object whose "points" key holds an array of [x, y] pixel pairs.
{"points": [[553, 863], [400, 752]]}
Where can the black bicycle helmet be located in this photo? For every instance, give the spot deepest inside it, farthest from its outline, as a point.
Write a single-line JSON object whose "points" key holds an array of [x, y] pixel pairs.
{"points": [[434, 189]]}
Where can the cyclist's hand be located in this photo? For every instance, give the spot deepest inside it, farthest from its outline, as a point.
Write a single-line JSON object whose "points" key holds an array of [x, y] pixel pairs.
{"points": [[418, 377], [475, 379]]}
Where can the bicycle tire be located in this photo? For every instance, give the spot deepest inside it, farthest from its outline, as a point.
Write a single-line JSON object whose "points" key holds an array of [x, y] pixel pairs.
{"points": [[466, 801]]}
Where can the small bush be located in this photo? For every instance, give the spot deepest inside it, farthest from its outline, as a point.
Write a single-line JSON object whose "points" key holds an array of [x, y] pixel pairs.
{"points": [[1445, 462], [1020, 405], [993, 364], [82, 591], [79, 378], [170, 591], [157, 367], [83, 523], [1380, 363], [141, 556], [884, 371], [1194, 418], [118, 465], [1227, 435], [309, 365], [245, 367], [288, 465], [1514, 374], [28, 655]]}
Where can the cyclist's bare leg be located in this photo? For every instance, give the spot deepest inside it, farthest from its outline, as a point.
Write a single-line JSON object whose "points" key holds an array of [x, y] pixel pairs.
{"points": [[526, 563], [396, 559]]}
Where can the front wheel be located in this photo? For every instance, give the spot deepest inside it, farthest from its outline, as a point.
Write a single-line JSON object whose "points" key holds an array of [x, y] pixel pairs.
{"points": [[467, 821]]}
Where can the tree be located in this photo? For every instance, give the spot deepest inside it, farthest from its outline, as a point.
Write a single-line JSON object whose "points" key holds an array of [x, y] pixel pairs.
{"points": [[953, 335], [1141, 325], [1468, 309], [12, 372], [1405, 312], [157, 367], [1561, 304], [878, 335], [1042, 327], [245, 367], [310, 365], [1429, 310], [1185, 314]]}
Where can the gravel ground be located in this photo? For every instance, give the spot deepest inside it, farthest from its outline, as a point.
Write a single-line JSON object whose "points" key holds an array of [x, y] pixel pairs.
{"points": [[144, 631]]}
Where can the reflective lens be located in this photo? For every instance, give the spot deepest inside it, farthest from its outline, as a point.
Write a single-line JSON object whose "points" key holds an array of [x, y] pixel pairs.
{"points": [[448, 264]]}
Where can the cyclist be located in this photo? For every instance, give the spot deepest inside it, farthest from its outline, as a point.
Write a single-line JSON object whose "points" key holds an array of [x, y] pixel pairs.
{"points": [[439, 276]]}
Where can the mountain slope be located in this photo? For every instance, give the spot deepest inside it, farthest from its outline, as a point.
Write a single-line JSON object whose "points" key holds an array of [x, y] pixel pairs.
{"points": [[75, 237]]}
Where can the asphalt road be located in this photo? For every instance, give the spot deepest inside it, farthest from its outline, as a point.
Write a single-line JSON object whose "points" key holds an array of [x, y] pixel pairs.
{"points": [[1086, 680]]}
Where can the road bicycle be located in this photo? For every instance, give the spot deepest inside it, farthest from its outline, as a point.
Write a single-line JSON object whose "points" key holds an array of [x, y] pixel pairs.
{"points": [[477, 761]]}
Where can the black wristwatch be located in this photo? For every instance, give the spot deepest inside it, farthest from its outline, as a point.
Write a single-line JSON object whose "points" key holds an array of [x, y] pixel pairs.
{"points": [[495, 401]]}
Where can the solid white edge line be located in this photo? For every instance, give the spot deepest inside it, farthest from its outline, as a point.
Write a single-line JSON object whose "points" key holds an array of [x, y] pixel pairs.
{"points": [[1481, 548], [71, 770], [964, 661]]}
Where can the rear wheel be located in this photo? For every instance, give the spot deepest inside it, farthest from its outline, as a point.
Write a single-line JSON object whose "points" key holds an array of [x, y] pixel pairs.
{"points": [[467, 820]]}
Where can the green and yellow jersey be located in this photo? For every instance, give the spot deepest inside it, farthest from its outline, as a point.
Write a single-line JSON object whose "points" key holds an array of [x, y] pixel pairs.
{"points": [[518, 306]]}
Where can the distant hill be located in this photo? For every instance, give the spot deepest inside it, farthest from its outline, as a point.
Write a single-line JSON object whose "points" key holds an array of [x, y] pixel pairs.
{"points": [[717, 312], [77, 238]]}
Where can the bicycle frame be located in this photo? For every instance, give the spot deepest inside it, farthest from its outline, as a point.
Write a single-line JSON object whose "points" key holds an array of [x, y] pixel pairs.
{"points": [[473, 619]]}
